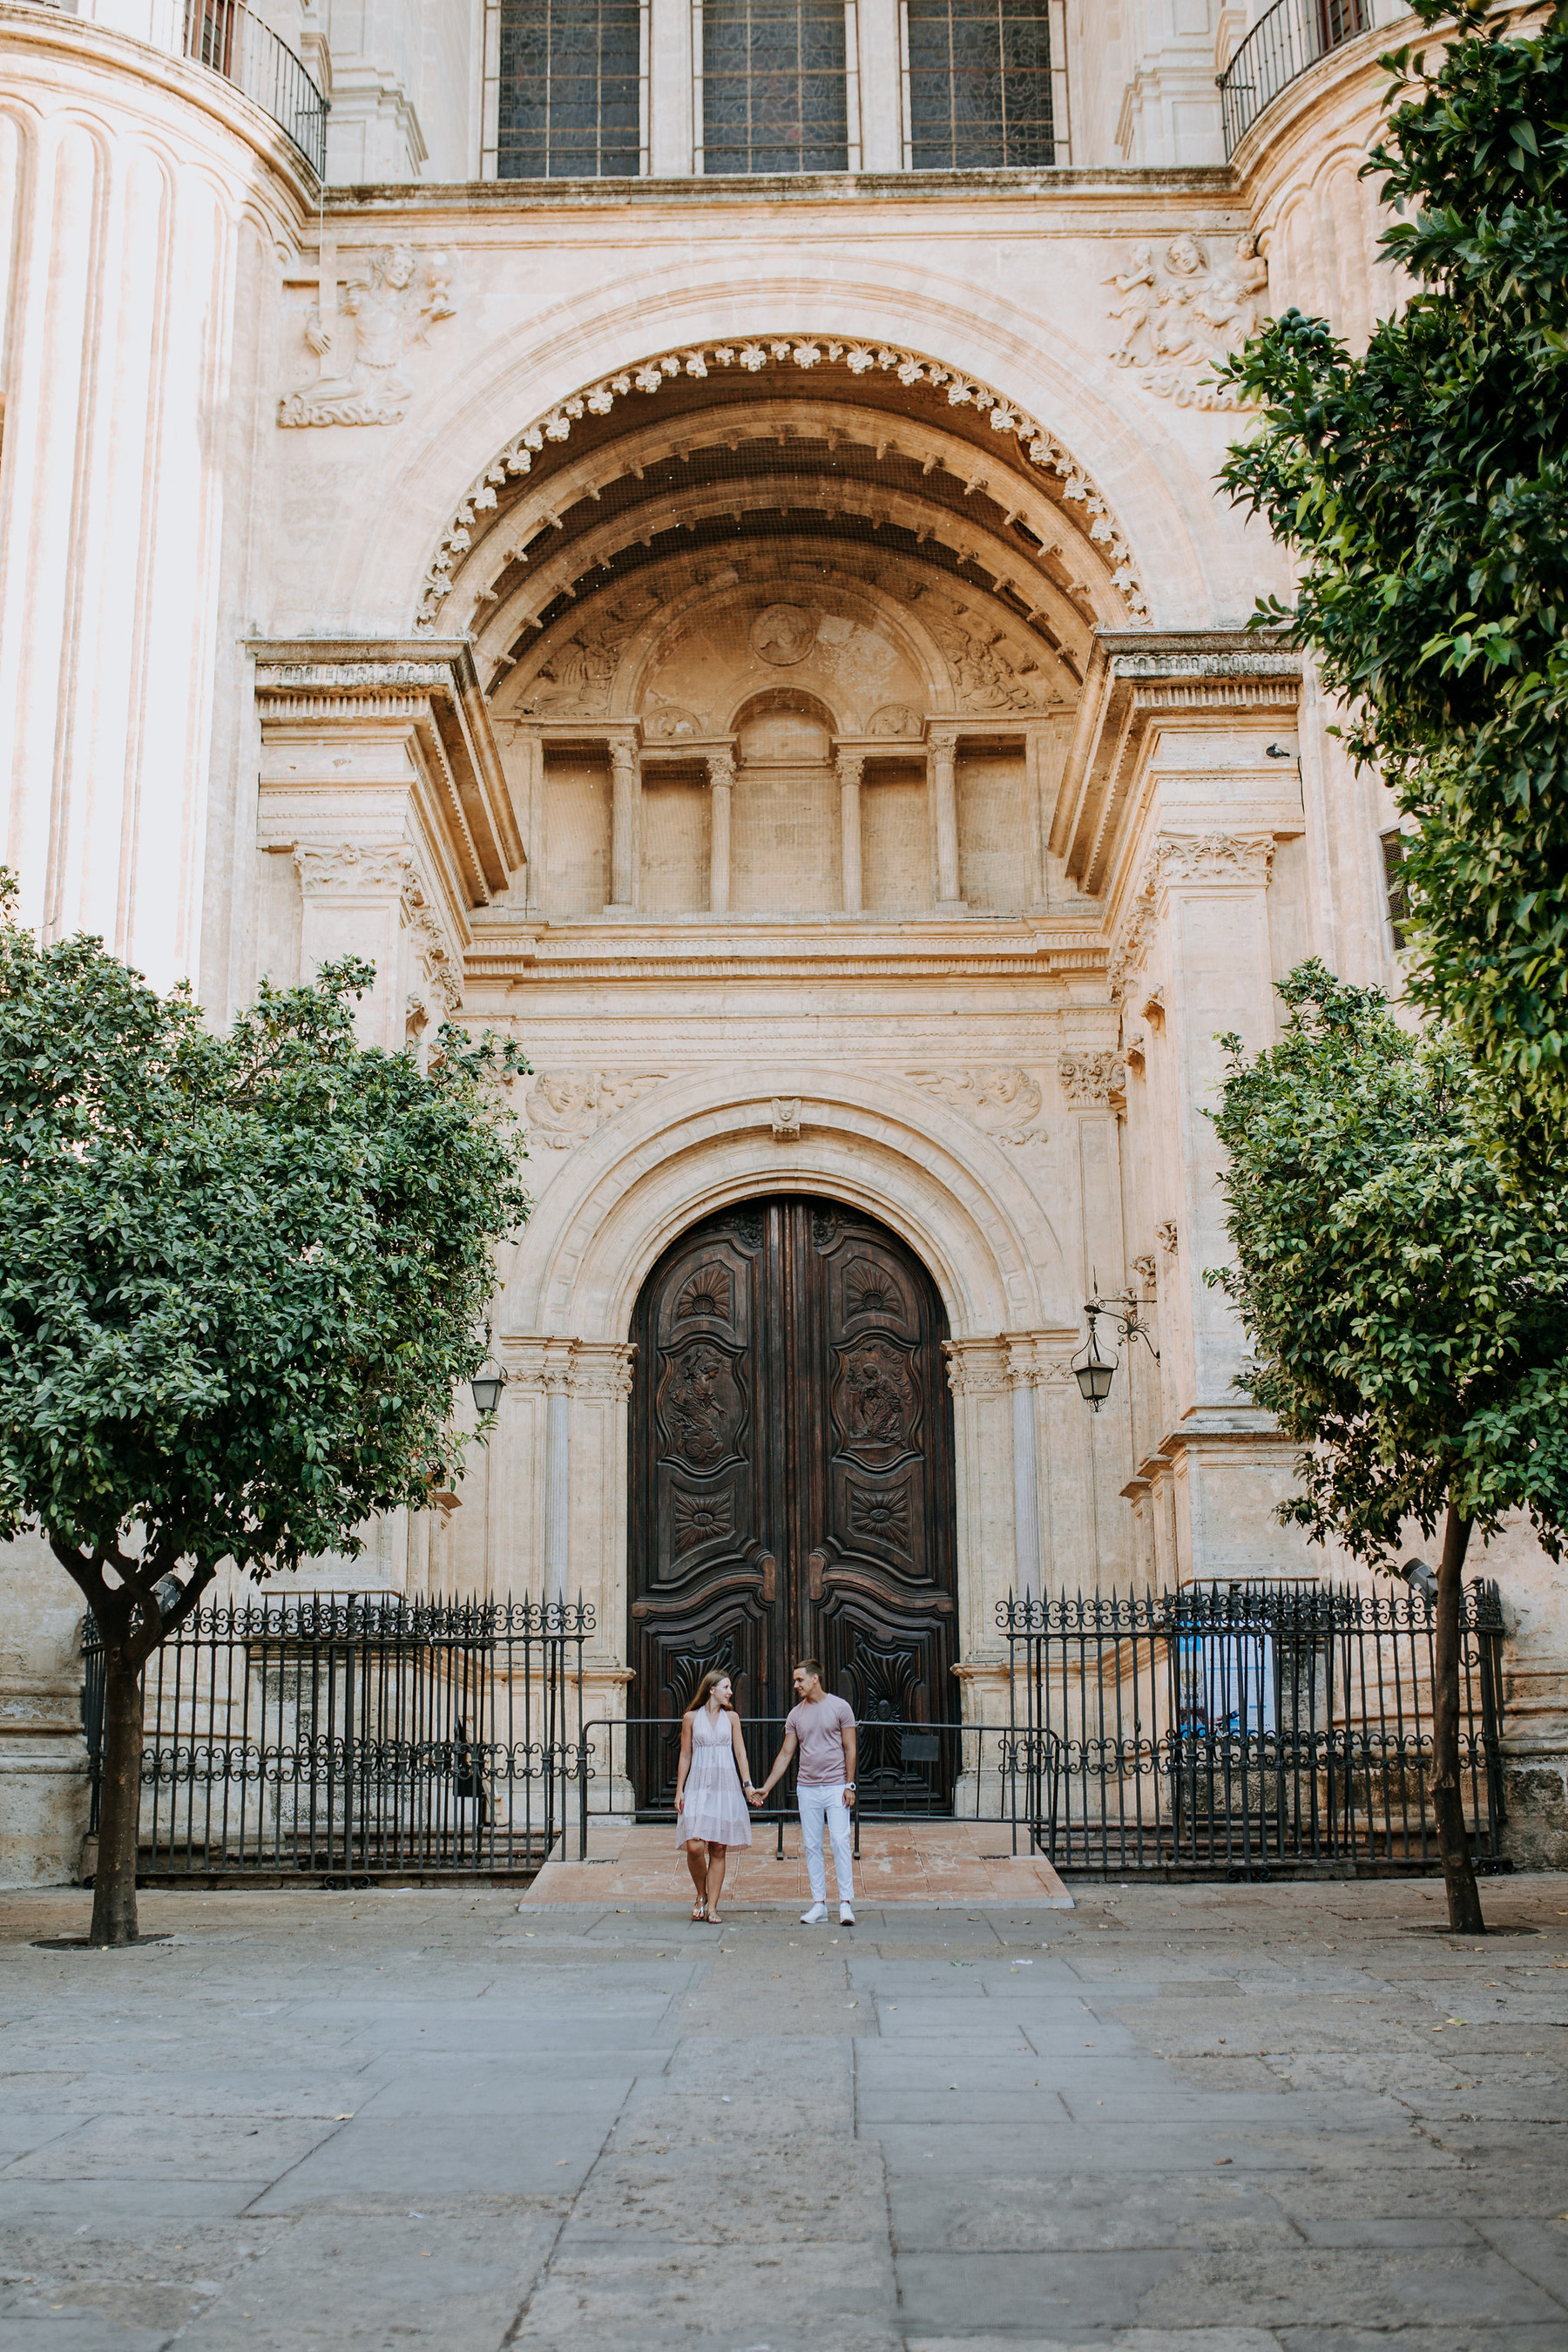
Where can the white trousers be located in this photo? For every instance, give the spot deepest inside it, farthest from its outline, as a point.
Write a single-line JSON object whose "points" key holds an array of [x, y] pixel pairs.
{"points": [[817, 1806]]}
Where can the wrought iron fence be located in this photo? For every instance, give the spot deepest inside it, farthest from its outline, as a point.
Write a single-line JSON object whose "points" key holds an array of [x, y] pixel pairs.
{"points": [[355, 1734], [904, 1770], [1240, 1728], [1292, 35], [224, 35]]}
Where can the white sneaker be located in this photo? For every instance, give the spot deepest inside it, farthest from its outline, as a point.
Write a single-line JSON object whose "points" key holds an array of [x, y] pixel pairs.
{"points": [[817, 1911], [845, 1916]]}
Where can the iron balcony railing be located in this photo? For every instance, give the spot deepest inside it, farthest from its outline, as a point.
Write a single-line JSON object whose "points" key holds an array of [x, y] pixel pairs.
{"points": [[225, 36], [1293, 36]]}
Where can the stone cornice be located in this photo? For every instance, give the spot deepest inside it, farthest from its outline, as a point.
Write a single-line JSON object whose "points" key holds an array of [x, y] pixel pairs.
{"points": [[650, 955], [324, 685], [1136, 679], [1176, 187]]}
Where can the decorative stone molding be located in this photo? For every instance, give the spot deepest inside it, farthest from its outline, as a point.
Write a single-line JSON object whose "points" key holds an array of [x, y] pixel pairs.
{"points": [[983, 678], [599, 1370], [313, 692], [566, 1107], [977, 1367], [1166, 1235], [913, 370], [396, 297], [1245, 859], [1180, 315], [785, 1119], [895, 720], [1212, 678], [1090, 1080], [1039, 1359], [1002, 1102], [1145, 1266], [346, 870]]}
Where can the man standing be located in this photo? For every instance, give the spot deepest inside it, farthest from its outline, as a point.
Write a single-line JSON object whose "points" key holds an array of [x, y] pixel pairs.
{"points": [[823, 1728]]}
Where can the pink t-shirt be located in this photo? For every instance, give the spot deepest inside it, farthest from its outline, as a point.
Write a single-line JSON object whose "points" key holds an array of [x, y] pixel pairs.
{"points": [[820, 1728]]}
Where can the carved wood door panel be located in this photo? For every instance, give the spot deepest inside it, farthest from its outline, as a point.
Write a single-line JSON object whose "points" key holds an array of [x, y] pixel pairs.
{"points": [[792, 1486]]}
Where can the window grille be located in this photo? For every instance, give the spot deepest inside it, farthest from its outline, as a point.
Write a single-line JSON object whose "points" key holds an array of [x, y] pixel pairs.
{"points": [[775, 85], [978, 84], [1396, 889], [568, 96]]}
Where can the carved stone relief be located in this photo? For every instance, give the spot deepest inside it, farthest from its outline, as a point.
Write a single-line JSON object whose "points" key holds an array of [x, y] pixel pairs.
{"points": [[785, 1119], [566, 1107], [987, 673], [1003, 1103], [1090, 1079], [783, 634], [895, 718], [346, 870], [1165, 1234], [1180, 314], [577, 680], [396, 297]]}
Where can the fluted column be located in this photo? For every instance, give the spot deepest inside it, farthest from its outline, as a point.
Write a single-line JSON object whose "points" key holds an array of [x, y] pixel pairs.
{"points": [[627, 784], [720, 782], [942, 762], [850, 767]]}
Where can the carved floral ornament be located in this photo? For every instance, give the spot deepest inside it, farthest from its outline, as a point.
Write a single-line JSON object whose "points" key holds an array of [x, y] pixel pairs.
{"points": [[1243, 860], [911, 369], [1184, 310], [1090, 1079], [567, 1107]]}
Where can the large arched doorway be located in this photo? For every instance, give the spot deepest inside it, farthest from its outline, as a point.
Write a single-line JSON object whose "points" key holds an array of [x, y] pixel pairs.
{"points": [[792, 1481]]}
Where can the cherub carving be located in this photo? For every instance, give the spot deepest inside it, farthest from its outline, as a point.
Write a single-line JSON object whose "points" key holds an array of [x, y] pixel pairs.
{"points": [[1003, 1102], [1179, 318]]}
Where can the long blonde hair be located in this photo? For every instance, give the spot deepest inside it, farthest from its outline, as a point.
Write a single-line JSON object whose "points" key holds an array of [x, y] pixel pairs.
{"points": [[715, 1674]]}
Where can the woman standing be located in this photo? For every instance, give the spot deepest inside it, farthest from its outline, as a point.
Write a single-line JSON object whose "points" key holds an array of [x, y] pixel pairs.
{"points": [[711, 1790]]}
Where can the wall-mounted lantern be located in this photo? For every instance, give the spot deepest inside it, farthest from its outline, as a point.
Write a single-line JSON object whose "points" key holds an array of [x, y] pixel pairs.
{"points": [[488, 1382], [1092, 1371]]}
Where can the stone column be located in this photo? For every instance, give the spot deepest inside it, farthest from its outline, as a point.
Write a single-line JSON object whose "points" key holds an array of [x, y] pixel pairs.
{"points": [[942, 761], [625, 770], [721, 782], [850, 767]]}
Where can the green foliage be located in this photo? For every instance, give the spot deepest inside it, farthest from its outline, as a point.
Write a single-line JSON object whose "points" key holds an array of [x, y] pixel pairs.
{"points": [[239, 1276], [1425, 489], [1409, 1312]]}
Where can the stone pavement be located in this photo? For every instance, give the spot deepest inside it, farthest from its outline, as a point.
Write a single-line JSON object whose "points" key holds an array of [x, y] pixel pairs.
{"points": [[900, 1861], [1282, 2118]]}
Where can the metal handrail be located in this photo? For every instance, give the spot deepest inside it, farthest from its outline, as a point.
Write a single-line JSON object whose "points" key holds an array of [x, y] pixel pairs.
{"points": [[224, 35], [1292, 35]]}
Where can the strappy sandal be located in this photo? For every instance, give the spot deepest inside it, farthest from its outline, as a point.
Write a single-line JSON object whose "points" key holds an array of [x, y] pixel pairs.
{"points": [[700, 1910], [715, 1919]]}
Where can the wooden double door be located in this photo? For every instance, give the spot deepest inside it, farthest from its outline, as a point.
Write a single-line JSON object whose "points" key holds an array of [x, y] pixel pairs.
{"points": [[791, 1481]]}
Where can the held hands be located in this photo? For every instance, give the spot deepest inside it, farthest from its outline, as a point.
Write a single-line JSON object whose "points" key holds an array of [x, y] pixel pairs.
{"points": [[755, 1795]]}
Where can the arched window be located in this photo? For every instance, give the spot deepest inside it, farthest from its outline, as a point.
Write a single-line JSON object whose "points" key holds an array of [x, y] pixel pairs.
{"points": [[569, 100], [978, 84], [775, 85]]}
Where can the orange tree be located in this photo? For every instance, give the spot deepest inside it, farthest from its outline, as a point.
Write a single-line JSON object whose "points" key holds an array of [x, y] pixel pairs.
{"points": [[1407, 1309], [240, 1278], [1424, 488]]}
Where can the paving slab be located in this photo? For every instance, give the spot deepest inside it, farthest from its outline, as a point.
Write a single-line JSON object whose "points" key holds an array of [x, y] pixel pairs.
{"points": [[899, 1863], [1170, 2119]]}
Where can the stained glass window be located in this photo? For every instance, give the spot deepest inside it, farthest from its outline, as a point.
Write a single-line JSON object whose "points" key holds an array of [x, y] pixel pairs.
{"points": [[775, 94], [569, 101], [978, 84]]}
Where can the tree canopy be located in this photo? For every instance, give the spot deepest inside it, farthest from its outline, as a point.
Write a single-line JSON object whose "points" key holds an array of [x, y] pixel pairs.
{"points": [[1408, 1311], [240, 1276], [1423, 487]]}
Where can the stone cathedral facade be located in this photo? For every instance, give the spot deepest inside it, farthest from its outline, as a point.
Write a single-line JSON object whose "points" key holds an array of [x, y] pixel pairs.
{"points": [[686, 531]]}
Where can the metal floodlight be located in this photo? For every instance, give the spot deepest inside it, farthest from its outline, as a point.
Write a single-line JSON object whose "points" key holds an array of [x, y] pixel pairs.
{"points": [[488, 1382], [1095, 1373]]}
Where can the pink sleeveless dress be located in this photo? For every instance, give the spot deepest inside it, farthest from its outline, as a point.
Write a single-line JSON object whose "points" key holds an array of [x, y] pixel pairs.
{"points": [[715, 1801]]}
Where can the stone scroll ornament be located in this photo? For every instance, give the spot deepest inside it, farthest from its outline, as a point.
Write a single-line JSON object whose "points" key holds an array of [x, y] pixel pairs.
{"points": [[1003, 1103], [1181, 314], [397, 296]]}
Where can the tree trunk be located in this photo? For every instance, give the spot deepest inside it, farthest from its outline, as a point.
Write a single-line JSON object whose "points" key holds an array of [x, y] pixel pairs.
{"points": [[114, 1879], [1447, 1801]]}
